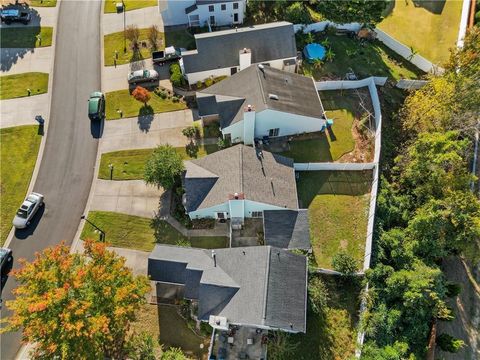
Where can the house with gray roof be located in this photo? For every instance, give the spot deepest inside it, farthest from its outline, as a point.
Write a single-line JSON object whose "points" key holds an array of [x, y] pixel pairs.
{"points": [[226, 52], [258, 286], [262, 101], [238, 182], [194, 13]]}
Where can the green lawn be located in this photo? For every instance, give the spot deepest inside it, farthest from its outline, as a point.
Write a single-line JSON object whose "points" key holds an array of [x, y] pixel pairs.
{"points": [[42, 3], [115, 42], [19, 147], [372, 59], [14, 86], [180, 39], [129, 164], [129, 5], [135, 232], [338, 204], [169, 329], [331, 336], [430, 27], [25, 37], [122, 100]]}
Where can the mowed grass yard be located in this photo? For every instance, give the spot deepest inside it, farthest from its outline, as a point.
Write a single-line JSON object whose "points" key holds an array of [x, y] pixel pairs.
{"points": [[19, 147], [135, 232], [371, 59], [110, 5], [130, 164], [114, 42], [180, 39], [124, 101], [338, 204], [15, 86], [430, 27], [25, 37]]}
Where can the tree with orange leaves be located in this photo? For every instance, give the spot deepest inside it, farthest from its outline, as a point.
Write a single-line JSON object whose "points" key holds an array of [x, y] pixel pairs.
{"points": [[141, 94], [76, 306]]}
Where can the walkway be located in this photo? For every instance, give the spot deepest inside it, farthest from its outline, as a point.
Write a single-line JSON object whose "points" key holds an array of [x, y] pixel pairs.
{"points": [[20, 60], [22, 111], [132, 197]]}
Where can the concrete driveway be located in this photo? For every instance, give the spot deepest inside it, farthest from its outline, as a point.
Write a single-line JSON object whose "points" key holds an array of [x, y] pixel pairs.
{"points": [[22, 111], [20, 60], [138, 133], [132, 197], [143, 18]]}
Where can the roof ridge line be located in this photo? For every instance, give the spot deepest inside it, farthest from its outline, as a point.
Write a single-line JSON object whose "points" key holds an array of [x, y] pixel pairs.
{"points": [[265, 292]]}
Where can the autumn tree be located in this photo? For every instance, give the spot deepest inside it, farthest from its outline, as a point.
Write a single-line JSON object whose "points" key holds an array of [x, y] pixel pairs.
{"points": [[154, 36], [141, 94], [132, 33], [346, 11], [76, 306], [164, 167]]}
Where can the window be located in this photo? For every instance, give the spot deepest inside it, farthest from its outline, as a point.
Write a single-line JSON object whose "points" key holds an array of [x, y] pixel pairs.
{"points": [[211, 8], [212, 20], [220, 215], [235, 17], [273, 132], [235, 6], [257, 214], [233, 70], [224, 7]]}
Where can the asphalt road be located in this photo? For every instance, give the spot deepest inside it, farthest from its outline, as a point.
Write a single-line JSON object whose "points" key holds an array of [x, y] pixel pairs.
{"points": [[66, 170]]}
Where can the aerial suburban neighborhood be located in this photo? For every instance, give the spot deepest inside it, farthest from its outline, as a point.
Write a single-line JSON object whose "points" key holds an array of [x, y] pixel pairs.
{"points": [[240, 179]]}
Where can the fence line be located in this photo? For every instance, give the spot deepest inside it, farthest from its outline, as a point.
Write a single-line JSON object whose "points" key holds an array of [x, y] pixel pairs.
{"points": [[320, 26], [333, 166], [463, 23], [410, 84]]}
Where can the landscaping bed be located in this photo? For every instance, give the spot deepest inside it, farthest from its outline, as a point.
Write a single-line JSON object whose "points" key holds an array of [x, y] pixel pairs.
{"points": [[338, 204], [129, 164], [135, 232], [19, 148], [25, 37], [15, 86], [115, 42], [124, 101], [110, 6]]}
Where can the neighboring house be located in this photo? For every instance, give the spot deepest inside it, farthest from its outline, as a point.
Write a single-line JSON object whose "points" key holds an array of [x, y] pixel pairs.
{"points": [[262, 101], [258, 286], [239, 182], [226, 52], [203, 12]]}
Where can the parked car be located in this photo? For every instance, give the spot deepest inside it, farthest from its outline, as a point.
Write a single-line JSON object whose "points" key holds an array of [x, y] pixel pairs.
{"points": [[167, 55], [27, 210], [141, 76], [6, 258], [14, 15], [96, 106]]}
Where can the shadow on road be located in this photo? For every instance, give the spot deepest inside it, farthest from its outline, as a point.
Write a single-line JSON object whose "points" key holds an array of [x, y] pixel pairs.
{"points": [[22, 234], [4, 275], [96, 128]]}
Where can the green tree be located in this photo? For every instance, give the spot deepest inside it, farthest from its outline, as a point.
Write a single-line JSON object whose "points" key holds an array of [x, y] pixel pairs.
{"points": [[297, 13], [449, 343], [173, 354], [164, 167], [344, 263], [318, 295], [76, 306], [397, 351], [347, 11], [190, 132], [281, 346], [142, 347]]}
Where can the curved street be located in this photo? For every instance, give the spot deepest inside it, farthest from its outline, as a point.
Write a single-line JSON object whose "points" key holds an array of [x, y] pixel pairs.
{"points": [[67, 166]]}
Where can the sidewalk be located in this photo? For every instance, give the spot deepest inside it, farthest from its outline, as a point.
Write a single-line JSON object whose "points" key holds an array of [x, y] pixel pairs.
{"points": [[22, 111], [137, 133], [132, 197], [143, 18]]}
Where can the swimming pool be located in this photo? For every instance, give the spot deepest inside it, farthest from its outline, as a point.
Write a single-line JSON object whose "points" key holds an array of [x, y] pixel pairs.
{"points": [[314, 51]]}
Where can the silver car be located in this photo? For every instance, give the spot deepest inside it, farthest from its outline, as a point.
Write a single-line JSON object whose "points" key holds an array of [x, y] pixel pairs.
{"points": [[27, 210], [140, 76]]}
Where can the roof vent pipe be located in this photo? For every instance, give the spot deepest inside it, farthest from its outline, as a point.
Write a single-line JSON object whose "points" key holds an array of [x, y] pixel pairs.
{"points": [[235, 196], [249, 107]]}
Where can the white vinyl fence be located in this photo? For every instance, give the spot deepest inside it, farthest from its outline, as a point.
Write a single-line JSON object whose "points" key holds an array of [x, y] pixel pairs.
{"points": [[410, 84], [333, 166], [320, 26]]}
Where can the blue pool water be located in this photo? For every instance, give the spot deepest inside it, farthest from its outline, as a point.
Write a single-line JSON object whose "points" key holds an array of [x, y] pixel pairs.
{"points": [[314, 51]]}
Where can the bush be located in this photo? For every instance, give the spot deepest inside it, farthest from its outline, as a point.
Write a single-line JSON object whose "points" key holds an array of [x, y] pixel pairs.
{"points": [[162, 94], [449, 343], [175, 68], [177, 79], [208, 82], [344, 263], [453, 289], [175, 99], [199, 84], [317, 294]]}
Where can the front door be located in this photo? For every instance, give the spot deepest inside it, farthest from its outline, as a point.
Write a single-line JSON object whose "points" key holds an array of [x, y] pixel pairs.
{"points": [[235, 18]]}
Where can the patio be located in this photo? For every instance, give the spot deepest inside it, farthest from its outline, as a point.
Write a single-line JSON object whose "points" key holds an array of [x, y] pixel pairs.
{"points": [[240, 343]]}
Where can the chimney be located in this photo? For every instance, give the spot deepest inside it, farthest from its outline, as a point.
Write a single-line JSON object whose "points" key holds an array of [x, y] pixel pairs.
{"points": [[214, 256], [249, 107], [235, 196], [245, 58]]}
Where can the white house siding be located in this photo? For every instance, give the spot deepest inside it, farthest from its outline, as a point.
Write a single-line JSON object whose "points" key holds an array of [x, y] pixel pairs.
{"points": [[249, 127], [258, 206], [247, 205], [235, 131], [174, 11], [289, 124], [236, 208], [210, 212], [222, 17]]}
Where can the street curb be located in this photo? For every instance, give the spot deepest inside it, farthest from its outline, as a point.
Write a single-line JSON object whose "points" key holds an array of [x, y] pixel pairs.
{"points": [[41, 148]]}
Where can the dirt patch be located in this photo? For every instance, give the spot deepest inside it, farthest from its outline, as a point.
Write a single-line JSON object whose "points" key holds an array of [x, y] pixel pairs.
{"points": [[364, 146]]}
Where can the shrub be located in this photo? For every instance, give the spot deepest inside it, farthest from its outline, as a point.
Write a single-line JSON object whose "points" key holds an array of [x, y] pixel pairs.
{"points": [[344, 263], [199, 84], [175, 68], [317, 294], [162, 94], [208, 82], [449, 343], [175, 99], [190, 132], [453, 289], [177, 79]]}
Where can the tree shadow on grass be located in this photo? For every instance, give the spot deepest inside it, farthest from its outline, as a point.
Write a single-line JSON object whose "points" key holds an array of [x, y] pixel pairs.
{"points": [[145, 118]]}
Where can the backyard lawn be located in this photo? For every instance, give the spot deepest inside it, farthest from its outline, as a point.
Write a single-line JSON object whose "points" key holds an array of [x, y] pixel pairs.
{"points": [[19, 148], [25, 37], [110, 5], [338, 204], [135, 232], [124, 101], [14, 86], [372, 59], [331, 336], [435, 25], [180, 39], [115, 42], [42, 3], [169, 329], [130, 164]]}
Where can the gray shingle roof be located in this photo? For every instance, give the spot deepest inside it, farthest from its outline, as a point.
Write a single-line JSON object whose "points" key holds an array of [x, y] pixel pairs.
{"points": [[257, 285], [287, 229], [269, 178], [296, 94], [220, 49]]}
